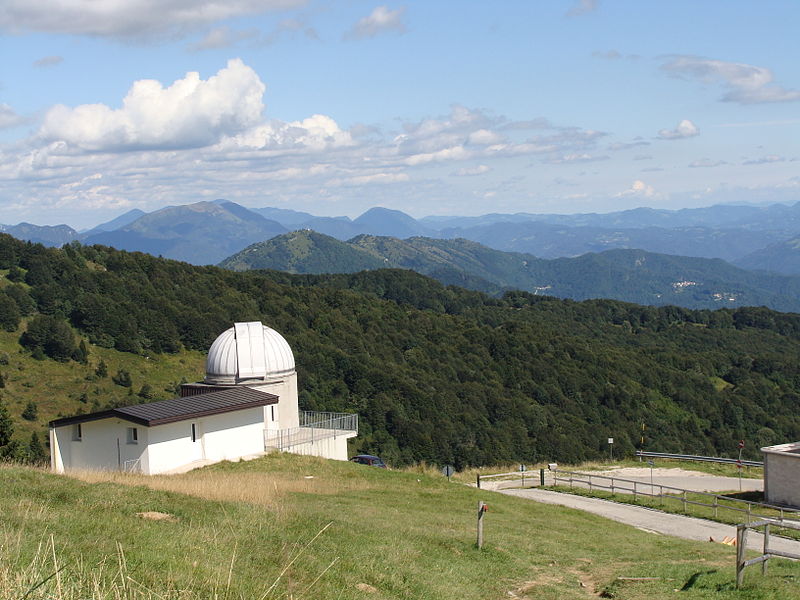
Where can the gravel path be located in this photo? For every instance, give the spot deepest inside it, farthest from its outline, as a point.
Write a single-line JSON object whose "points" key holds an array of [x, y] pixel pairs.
{"points": [[652, 520]]}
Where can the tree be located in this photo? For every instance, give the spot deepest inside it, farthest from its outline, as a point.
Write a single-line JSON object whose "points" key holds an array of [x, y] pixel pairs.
{"points": [[6, 425], [122, 378], [31, 412], [50, 335], [146, 392], [102, 369], [9, 313], [2, 381], [36, 451], [81, 353]]}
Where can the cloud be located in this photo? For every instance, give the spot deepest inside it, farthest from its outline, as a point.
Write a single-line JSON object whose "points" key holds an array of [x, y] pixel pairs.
{"points": [[706, 163], [381, 20], [221, 37], [582, 7], [576, 158], [48, 61], [747, 84], [685, 129], [617, 146], [764, 160], [472, 171], [643, 157], [8, 117], [640, 189], [128, 19], [377, 178], [190, 113], [608, 54]]}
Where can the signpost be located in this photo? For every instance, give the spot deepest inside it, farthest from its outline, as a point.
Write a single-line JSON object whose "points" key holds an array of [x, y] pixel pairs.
{"points": [[522, 469], [448, 470], [611, 448], [739, 463]]}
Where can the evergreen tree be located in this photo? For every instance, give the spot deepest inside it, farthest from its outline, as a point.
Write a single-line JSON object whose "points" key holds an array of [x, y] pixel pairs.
{"points": [[102, 369], [50, 335], [2, 381], [36, 451], [81, 353], [9, 313], [146, 392], [31, 412], [6, 425]]}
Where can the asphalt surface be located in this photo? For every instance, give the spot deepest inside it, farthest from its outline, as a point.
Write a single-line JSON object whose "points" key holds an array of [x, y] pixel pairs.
{"points": [[653, 521]]}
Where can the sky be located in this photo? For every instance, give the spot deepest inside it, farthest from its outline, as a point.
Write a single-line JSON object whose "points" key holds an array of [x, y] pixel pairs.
{"points": [[432, 107]]}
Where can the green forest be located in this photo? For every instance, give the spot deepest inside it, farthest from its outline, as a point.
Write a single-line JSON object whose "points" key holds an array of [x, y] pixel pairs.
{"points": [[436, 373]]}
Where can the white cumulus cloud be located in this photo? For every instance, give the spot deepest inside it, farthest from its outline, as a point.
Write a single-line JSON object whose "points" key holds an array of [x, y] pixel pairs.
{"points": [[9, 117], [638, 188], [191, 112], [473, 171], [747, 84], [380, 20], [685, 129]]}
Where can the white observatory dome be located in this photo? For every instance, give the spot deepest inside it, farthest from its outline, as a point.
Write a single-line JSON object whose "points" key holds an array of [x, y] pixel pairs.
{"points": [[248, 352]]}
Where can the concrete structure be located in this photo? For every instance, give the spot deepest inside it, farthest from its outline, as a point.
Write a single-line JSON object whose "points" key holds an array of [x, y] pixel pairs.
{"points": [[782, 474], [246, 405]]}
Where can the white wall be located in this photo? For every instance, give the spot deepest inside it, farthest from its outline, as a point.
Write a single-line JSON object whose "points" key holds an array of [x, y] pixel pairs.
{"points": [[286, 390], [228, 436], [103, 445], [782, 478], [334, 448]]}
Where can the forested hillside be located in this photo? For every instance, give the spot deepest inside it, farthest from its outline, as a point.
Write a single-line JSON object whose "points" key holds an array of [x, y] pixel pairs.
{"points": [[437, 374]]}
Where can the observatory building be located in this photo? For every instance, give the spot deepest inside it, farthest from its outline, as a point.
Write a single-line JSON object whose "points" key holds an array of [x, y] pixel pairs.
{"points": [[245, 406]]}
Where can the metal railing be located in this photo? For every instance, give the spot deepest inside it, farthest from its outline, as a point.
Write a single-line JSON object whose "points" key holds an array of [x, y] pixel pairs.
{"points": [[532, 477], [616, 484], [314, 427], [132, 466], [767, 553], [714, 459]]}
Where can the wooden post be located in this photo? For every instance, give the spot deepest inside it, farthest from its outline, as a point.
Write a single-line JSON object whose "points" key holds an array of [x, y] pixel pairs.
{"points": [[634, 492], [741, 542], [684, 501], [481, 511], [478, 480], [541, 477], [766, 550], [716, 505]]}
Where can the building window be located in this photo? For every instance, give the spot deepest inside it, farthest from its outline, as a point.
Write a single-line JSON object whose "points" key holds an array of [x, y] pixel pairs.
{"points": [[194, 432], [77, 432], [133, 435]]}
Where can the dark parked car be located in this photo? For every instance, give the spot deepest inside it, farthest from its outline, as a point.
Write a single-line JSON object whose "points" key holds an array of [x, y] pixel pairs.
{"points": [[368, 459]]}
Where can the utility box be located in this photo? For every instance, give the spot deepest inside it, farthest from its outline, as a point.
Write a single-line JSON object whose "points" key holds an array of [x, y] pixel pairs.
{"points": [[782, 474]]}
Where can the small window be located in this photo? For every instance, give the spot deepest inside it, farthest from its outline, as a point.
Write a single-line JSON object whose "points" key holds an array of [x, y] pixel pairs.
{"points": [[272, 412], [133, 435], [194, 432], [77, 432]]}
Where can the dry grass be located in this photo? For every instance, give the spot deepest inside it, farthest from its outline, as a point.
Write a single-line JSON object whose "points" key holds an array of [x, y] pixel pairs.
{"points": [[220, 483]]}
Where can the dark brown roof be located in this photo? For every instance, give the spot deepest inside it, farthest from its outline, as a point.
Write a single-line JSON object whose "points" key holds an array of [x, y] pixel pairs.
{"points": [[180, 409]]}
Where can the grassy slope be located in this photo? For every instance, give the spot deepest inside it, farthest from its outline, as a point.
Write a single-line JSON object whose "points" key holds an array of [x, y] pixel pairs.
{"points": [[391, 535], [56, 387]]}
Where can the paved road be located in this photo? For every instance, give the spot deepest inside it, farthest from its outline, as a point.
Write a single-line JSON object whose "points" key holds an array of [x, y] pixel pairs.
{"points": [[653, 520], [705, 483]]}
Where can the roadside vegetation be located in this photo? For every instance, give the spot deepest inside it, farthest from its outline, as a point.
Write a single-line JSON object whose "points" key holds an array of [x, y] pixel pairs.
{"points": [[297, 527]]}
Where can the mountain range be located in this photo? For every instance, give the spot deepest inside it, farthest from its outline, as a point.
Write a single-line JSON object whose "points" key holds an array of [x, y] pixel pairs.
{"points": [[629, 275], [208, 232]]}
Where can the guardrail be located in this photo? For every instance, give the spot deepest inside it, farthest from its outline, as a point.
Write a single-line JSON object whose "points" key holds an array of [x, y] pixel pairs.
{"points": [[741, 546], [532, 476], [714, 459], [315, 426], [638, 489]]}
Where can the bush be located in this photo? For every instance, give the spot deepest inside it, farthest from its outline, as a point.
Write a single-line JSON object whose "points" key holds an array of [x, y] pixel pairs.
{"points": [[9, 313], [122, 378]]}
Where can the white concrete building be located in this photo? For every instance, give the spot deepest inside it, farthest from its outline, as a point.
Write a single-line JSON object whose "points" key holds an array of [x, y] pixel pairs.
{"points": [[782, 474], [246, 406]]}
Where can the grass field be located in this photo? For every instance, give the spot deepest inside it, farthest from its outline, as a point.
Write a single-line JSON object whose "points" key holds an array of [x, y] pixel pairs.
{"points": [[294, 527]]}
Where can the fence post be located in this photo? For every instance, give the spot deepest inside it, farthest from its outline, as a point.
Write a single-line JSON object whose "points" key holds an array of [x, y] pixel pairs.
{"points": [[541, 477], [749, 506], [481, 510], [478, 480], [634, 492], [590, 483], [741, 542], [684, 501], [766, 550]]}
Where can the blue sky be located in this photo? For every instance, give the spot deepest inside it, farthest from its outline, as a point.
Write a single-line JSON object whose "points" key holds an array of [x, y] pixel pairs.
{"points": [[436, 107]]}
